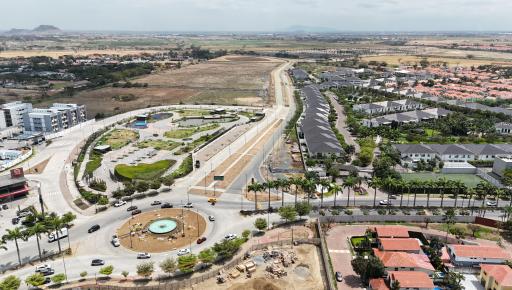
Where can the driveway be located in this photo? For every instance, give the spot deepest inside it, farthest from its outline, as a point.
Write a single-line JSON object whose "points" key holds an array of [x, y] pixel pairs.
{"points": [[471, 282], [339, 250]]}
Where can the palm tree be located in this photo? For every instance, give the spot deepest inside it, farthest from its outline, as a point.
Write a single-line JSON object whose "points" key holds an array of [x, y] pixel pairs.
{"points": [[284, 184], [402, 184], [270, 184], [428, 186], [67, 220], [55, 224], [297, 181], [348, 183], [335, 188], [415, 185], [14, 235], [255, 187], [325, 185], [36, 230], [442, 183], [390, 185], [374, 183], [309, 185], [461, 189], [2, 245]]}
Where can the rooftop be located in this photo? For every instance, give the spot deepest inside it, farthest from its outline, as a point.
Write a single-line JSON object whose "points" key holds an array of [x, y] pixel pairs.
{"points": [[401, 244], [409, 279], [392, 231], [479, 251], [378, 284], [6, 180], [403, 260], [502, 274]]}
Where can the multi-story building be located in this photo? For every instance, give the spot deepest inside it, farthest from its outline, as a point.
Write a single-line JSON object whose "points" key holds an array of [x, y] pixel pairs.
{"points": [[13, 114], [57, 118], [73, 114], [498, 277]]}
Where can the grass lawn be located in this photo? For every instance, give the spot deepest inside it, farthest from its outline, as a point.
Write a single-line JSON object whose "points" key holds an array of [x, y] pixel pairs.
{"points": [[93, 164], [356, 241], [159, 144], [481, 232], [144, 171], [188, 113], [188, 132], [470, 180], [118, 138]]}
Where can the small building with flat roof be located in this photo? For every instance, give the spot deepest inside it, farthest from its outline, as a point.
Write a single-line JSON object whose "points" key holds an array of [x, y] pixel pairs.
{"points": [[11, 187]]}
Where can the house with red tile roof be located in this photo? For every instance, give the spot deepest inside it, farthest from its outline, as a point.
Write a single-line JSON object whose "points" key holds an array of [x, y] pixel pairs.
{"points": [[498, 277], [411, 280], [407, 245], [400, 261], [378, 284], [474, 255], [391, 232]]}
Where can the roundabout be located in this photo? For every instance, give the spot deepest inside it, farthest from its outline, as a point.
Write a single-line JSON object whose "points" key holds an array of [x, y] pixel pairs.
{"points": [[161, 230]]}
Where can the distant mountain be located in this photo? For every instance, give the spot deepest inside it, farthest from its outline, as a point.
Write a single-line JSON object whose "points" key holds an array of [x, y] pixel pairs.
{"points": [[41, 29], [311, 29]]}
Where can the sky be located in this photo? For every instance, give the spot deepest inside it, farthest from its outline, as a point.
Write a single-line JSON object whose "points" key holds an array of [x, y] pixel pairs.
{"points": [[259, 15]]}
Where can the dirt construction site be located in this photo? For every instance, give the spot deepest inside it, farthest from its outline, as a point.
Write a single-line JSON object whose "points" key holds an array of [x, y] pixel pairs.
{"points": [[272, 268], [227, 81]]}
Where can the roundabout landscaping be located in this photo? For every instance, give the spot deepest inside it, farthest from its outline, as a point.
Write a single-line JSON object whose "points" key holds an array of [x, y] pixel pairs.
{"points": [[161, 230]]}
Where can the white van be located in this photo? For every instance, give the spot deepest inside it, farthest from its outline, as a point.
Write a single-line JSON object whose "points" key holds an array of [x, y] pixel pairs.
{"points": [[53, 236]]}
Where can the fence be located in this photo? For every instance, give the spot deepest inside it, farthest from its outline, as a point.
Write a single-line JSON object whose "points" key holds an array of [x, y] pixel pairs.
{"points": [[331, 282], [186, 280], [391, 218]]}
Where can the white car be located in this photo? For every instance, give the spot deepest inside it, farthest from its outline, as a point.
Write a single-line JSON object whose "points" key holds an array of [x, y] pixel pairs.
{"points": [[143, 256], [184, 252], [188, 205], [115, 241], [42, 268], [119, 203], [385, 202], [491, 203], [230, 237]]}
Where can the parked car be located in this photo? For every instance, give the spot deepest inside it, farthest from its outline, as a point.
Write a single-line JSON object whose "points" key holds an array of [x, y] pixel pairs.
{"points": [[133, 207], [339, 277], [491, 203], [392, 196], [188, 205], [211, 218], [93, 228], [47, 272], [23, 213], [115, 241], [4, 206], [201, 240], [137, 211], [385, 202], [166, 205], [43, 267], [143, 256], [230, 237], [119, 203], [184, 252], [156, 202], [97, 262]]}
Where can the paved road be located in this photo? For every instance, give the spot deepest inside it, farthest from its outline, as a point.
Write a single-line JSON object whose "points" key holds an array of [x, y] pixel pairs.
{"points": [[341, 122]]}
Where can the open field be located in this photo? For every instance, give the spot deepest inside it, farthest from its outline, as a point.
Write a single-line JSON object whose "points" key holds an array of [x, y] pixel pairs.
{"points": [[159, 144], [470, 180], [118, 138], [188, 132], [59, 53], [451, 61], [213, 82], [144, 171]]}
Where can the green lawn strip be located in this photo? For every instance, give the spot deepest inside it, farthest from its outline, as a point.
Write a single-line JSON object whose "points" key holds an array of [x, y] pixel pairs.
{"points": [[118, 138], [470, 180], [159, 144], [481, 232], [93, 164], [144, 171], [188, 113], [184, 168], [188, 132]]}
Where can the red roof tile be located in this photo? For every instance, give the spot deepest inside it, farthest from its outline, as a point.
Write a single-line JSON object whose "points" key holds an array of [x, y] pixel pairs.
{"points": [[405, 260], [478, 251], [409, 279], [392, 232], [378, 284], [400, 244], [502, 274]]}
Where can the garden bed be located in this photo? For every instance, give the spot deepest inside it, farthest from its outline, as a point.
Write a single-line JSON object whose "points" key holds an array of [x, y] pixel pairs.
{"points": [[143, 171]]}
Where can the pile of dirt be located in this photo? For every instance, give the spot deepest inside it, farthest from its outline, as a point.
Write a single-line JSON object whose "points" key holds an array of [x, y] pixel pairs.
{"points": [[256, 284]]}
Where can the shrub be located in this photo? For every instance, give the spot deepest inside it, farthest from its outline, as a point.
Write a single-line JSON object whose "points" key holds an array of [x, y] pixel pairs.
{"points": [[382, 211], [421, 212], [436, 211], [366, 212], [335, 212], [348, 212]]}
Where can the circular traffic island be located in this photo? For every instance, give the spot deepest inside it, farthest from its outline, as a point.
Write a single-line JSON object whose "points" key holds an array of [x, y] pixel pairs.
{"points": [[161, 230]]}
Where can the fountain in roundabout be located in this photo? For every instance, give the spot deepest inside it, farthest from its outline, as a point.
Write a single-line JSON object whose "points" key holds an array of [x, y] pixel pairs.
{"points": [[162, 226]]}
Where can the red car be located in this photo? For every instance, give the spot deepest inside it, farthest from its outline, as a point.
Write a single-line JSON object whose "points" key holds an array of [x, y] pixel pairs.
{"points": [[200, 240]]}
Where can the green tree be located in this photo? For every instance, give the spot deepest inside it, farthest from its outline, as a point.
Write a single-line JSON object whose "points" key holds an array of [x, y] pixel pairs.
{"points": [[36, 230], [226, 249], [125, 274], [368, 268], [15, 235], [375, 183], [303, 208], [395, 285], [206, 256], [255, 187], [58, 278], [10, 283], [155, 184], [35, 280], [54, 224], [83, 274], [145, 269], [186, 263], [449, 220], [260, 224], [107, 270], [270, 184], [168, 265], [288, 213], [453, 280], [349, 183], [142, 186], [168, 180], [335, 188]]}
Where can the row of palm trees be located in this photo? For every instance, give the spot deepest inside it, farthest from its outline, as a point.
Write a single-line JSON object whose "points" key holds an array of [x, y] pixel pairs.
{"points": [[38, 224], [441, 186]]}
